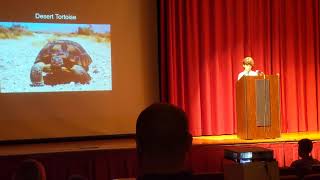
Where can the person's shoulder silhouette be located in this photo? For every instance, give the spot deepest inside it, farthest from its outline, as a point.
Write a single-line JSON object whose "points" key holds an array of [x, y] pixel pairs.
{"points": [[304, 164]]}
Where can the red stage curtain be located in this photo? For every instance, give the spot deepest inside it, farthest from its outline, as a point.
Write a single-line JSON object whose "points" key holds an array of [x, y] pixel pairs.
{"points": [[203, 42]]}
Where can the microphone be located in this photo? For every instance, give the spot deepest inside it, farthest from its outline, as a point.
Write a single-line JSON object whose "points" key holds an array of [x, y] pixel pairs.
{"points": [[260, 73]]}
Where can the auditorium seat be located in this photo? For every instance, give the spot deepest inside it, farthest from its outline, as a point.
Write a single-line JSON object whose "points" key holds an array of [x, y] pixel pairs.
{"points": [[289, 177], [312, 177], [287, 171], [197, 176], [208, 176]]}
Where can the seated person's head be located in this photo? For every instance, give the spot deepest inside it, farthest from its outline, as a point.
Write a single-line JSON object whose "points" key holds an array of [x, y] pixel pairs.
{"points": [[162, 136], [305, 147], [30, 169]]}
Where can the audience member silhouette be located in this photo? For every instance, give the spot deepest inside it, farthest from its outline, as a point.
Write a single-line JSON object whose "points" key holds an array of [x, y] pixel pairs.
{"points": [[304, 165], [30, 169], [163, 141]]}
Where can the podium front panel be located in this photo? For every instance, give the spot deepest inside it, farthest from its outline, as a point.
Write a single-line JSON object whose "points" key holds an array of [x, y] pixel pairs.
{"points": [[258, 108], [263, 103]]}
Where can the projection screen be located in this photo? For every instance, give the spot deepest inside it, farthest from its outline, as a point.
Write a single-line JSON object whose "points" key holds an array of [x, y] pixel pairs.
{"points": [[76, 68]]}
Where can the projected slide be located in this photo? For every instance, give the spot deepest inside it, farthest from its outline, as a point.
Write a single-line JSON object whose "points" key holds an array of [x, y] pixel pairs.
{"points": [[53, 57]]}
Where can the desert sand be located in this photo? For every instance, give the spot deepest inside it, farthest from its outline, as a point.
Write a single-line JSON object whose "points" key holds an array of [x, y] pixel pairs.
{"points": [[18, 55]]}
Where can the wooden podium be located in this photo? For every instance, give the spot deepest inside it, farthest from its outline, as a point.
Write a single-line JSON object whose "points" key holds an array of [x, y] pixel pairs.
{"points": [[258, 107]]}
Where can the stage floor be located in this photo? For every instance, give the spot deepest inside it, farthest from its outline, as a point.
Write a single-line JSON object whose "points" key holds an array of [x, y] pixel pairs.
{"points": [[129, 143], [233, 139]]}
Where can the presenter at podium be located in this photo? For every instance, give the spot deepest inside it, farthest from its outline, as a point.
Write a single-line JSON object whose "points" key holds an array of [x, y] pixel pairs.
{"points": [[247, 64]]}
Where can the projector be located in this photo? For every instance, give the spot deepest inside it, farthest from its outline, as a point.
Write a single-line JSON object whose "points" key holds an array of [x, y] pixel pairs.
{"points": [[245, 154]]}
